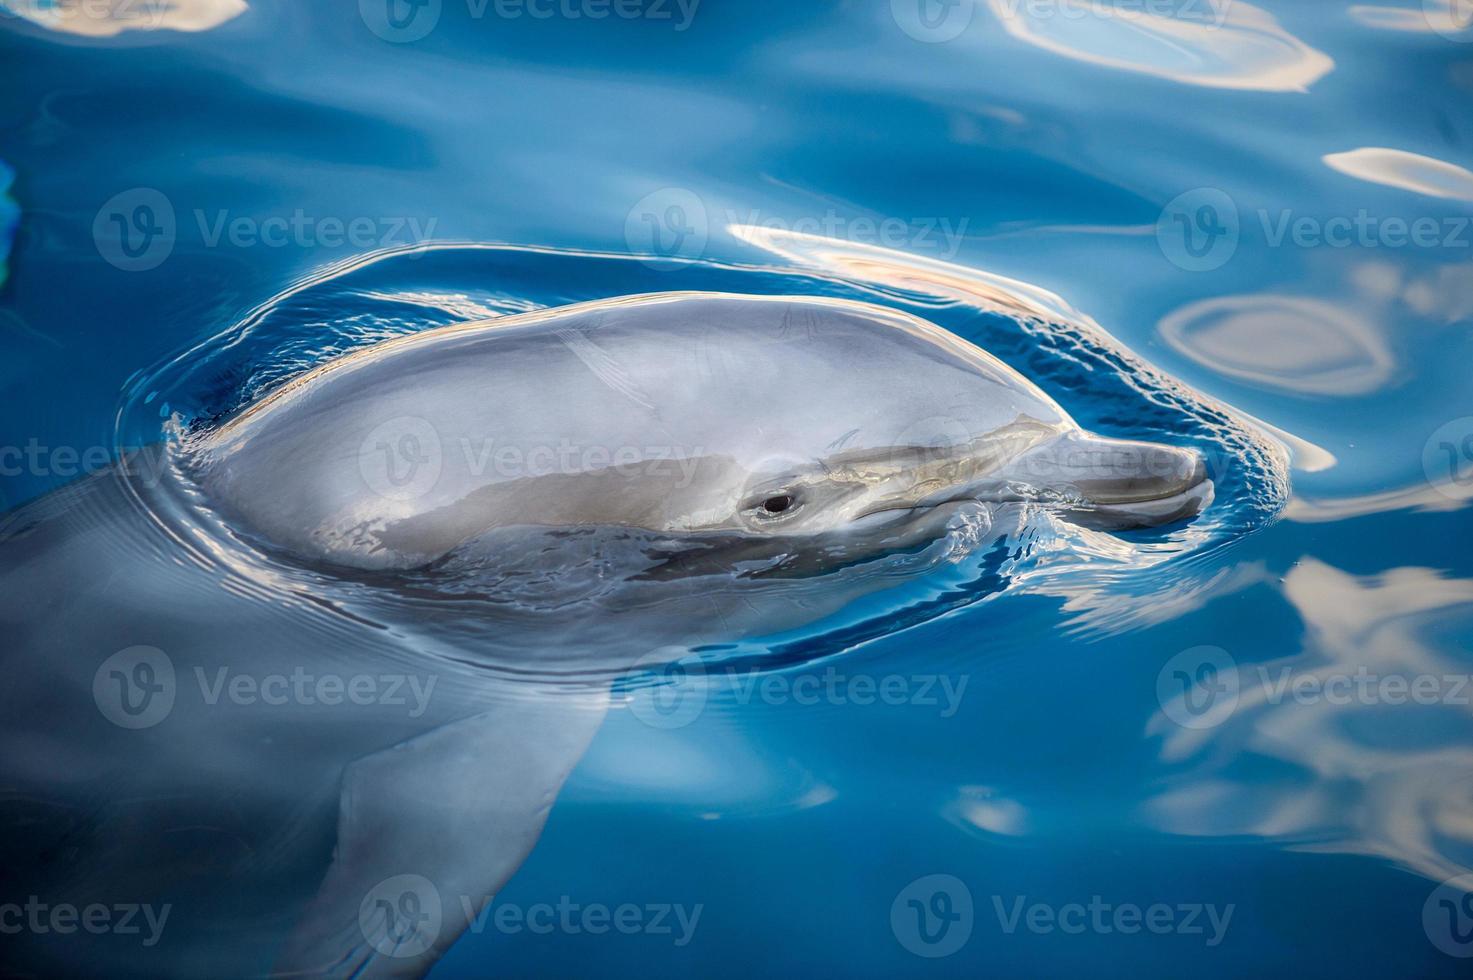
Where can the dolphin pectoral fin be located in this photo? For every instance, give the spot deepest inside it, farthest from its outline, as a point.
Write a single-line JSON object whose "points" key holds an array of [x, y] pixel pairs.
{"points": [[430, 829]]}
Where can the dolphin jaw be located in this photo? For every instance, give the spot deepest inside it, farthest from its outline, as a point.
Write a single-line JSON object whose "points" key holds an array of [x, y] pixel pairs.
{"points": [[1146, 513], [1099, 483]]}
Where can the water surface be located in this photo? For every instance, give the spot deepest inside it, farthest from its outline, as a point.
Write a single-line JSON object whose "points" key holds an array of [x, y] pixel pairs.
{"points": [[1243, 227]]}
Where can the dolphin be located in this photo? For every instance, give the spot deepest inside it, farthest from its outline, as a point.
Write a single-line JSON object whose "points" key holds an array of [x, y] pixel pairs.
{"points": [[682, 413], [497, 519]]}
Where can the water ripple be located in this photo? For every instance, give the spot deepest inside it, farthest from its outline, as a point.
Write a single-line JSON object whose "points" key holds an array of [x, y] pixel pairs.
{"points": [[605, 587]]}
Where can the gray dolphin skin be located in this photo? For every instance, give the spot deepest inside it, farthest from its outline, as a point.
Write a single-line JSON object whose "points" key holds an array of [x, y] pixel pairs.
{"points": [[750, 454], [766, 416]]}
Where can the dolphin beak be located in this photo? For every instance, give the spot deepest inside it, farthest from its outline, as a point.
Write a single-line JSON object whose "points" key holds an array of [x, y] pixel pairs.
{"points": [[1124, 483], [1105, 484], [1123, 471]]}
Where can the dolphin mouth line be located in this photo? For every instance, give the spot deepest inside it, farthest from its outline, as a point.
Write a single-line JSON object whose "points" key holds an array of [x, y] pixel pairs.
{"points": [[1192, 492], [1145, 511], [1117, 512]]}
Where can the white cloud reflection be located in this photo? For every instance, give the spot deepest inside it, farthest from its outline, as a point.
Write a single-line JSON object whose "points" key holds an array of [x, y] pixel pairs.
{"points": [[1424, 17], [1239, 46], [109, 18], [1286, 343], [1407, 171], [985, 809], [1419, 497], [1393, 780]]}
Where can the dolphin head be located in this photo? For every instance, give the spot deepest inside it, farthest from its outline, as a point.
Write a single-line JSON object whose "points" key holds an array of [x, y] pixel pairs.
{"points": [[1098, 482], [683, 413], [820, 416]]}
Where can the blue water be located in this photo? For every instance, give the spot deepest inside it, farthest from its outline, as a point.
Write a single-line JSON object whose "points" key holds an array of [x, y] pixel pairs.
{"points": [[1194, 225]]}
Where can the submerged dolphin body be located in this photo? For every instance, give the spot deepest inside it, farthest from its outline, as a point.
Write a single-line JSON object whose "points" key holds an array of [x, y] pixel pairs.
{"points": [[744, 457]]}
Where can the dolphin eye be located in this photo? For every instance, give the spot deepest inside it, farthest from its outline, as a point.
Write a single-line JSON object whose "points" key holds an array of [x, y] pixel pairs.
{"points": [[778, 504]]}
